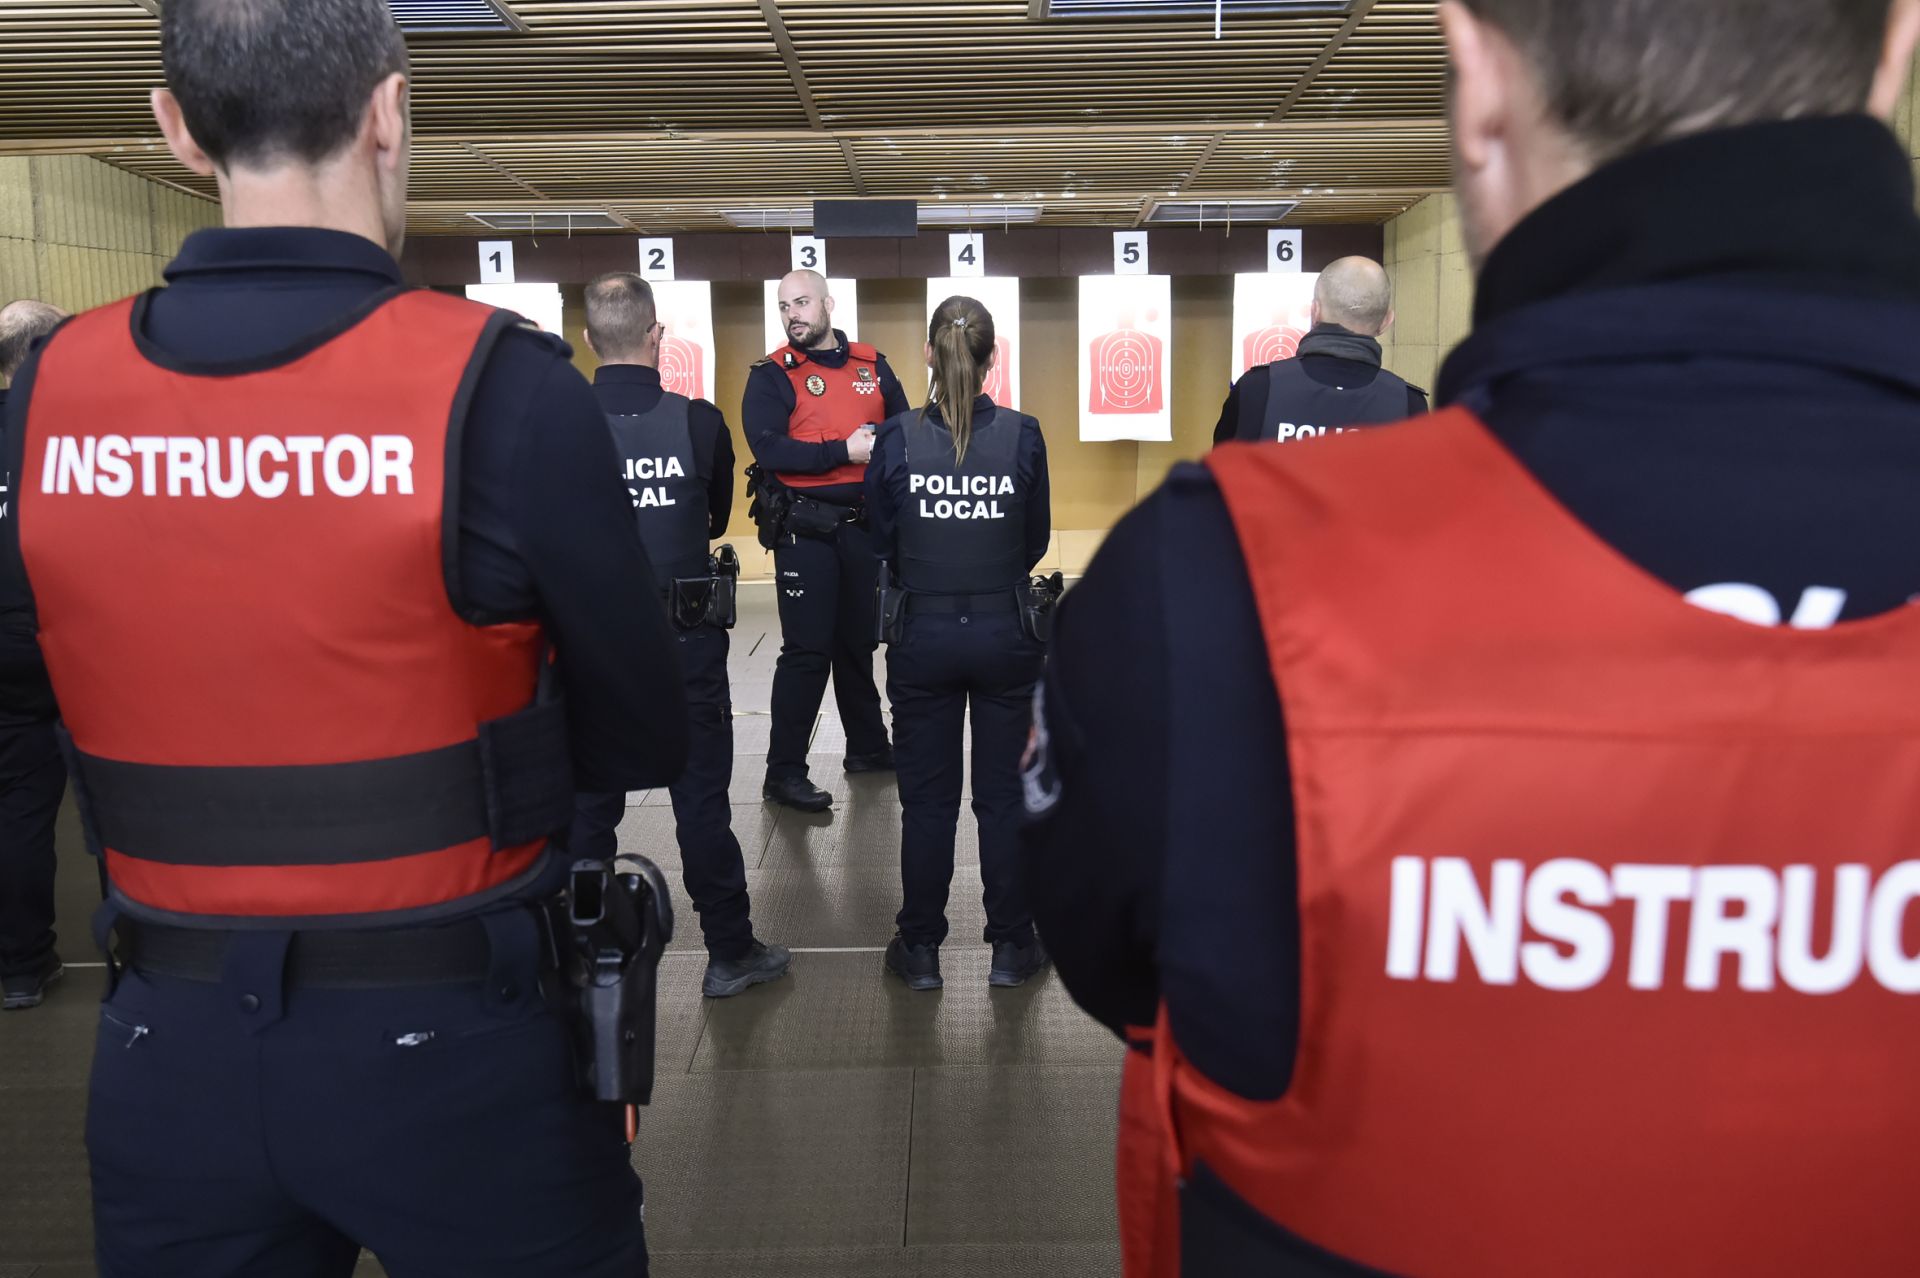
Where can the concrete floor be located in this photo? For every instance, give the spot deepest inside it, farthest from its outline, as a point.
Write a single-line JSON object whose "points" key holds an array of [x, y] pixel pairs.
{"points": [[832, 1125]]}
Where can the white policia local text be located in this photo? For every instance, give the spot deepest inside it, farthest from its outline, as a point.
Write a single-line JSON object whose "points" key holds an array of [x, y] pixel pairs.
{"points": [[1289, 430], [641, 469], [266, 465], [961, 486], [1765, 918]]}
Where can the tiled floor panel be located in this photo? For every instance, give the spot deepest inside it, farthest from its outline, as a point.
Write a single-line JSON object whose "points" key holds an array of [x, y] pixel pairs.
{"points": [[830, 1125]]}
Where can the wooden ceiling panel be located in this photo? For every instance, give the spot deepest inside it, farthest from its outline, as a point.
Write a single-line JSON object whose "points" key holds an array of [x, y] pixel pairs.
{"points": [[1415, 153], [883, 65], [670, 114], [1029, 166], [1393, 66]]}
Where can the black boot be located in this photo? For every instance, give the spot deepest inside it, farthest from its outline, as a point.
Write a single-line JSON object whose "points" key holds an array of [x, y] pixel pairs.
{"points": [[797, 793], [28, 988], [917, 965], [727, 977], [880, 760], [1015, 964]]}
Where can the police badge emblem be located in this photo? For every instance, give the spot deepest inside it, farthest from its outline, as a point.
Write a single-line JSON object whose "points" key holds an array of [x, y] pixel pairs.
{"points": [[864, 373], [816, 384], [863, 380]]}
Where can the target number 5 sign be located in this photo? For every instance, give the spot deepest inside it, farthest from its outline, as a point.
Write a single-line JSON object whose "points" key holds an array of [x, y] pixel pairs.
{"points": [[1130, 253]]}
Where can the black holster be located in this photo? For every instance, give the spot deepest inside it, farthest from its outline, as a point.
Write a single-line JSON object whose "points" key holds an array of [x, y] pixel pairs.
{"points": [[768, 509], [1038, 599], [620, 923], [712, 600], [889, 608]]}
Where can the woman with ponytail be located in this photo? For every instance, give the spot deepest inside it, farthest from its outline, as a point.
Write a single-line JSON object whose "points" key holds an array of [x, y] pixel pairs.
{"points": [[958, 499]]}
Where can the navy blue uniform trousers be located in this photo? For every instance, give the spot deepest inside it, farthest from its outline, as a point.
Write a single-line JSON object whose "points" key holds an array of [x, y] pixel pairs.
{"points": [[243, 1127], [33, 776], [826, 628], [942, 666], [711, 866]]}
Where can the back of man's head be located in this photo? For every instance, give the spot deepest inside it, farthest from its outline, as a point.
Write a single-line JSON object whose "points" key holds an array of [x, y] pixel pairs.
{"points": [[620, 315], [262, 82], [1356, 294], [21, 324], [1622, 75]]}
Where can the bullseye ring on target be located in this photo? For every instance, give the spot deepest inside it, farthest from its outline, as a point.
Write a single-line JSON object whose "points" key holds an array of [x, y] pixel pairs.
{"points": [[1125, 371], [680, 369]]}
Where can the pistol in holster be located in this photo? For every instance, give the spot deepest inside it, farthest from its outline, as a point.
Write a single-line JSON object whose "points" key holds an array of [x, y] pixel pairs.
{"points": [[620, 920], [710, 600], [771, 503], [889, 608], [1039, 597]]}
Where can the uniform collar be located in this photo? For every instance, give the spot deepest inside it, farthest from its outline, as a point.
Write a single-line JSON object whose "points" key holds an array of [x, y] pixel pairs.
{"points": [[280, 248], [626, 375], [833, 357], [983, 406], [1824, 205], [1341, 343]]}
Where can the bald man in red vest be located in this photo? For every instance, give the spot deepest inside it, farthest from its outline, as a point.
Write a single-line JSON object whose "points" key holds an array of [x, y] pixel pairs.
{"points": [[809, 413]]}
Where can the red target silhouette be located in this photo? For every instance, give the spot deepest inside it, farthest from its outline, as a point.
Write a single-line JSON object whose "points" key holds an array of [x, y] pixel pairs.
{"points": [[1125, 368], [1264, 346], [997, 387], [683, 367]]}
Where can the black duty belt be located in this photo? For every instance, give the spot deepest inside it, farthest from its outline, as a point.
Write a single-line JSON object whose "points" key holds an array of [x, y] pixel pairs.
{"points": [[456, 954], [999, 601]]}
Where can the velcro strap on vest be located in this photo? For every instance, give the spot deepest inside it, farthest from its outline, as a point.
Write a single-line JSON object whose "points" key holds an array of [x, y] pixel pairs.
{"points": [[511, 785], [1000, 601], [529, 775]]}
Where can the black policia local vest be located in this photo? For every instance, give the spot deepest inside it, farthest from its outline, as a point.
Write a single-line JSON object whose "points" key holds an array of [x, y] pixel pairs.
{"points": [[670, 502], [963, 527], [1298, 407]]}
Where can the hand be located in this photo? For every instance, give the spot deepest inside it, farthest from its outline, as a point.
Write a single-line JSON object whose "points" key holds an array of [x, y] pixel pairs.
{"points": [[860, 446]]}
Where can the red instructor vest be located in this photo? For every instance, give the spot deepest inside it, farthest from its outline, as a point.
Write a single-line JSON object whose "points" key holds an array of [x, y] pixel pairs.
{"points": [[1566, 1008], [243, 584], [832, 403]]}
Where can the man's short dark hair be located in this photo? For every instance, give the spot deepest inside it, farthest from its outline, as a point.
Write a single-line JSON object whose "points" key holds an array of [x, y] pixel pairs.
{"points": [[261, 81], [1622, 75], [23, 323], [620, 313]]}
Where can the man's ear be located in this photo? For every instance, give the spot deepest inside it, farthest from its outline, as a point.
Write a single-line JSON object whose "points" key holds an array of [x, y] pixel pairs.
{"points": [[587, 337], [387, 120], [1480, 93], [173, 127], [1387, 323], [1896, 58]]}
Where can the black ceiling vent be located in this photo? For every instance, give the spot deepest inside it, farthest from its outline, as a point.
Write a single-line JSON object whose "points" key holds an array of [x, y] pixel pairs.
{"points": [[1055, 9], [455, 17]]}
